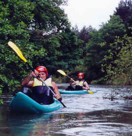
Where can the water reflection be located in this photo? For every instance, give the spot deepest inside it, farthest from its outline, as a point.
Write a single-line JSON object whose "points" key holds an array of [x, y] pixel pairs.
{"points": [[24, 125], [107, 122]]}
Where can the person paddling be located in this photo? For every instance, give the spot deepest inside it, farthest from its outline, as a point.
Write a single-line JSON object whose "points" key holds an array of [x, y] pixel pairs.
{"points": [[43, 88], [79, 84]]}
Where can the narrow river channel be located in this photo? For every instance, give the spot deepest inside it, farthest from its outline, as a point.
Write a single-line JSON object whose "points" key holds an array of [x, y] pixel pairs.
{"points": [[107, 112]]}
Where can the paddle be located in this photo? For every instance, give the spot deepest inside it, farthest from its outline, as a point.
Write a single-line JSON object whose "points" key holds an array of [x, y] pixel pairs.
{"points": [[19, 53], [64, 74]]}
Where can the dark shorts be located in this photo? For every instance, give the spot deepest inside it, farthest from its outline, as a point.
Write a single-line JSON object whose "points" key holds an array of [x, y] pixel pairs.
{"points": [[70, 88]]}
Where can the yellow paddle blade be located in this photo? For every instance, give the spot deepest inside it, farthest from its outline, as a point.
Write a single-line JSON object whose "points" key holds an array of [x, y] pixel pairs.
{"points": [[90, 92], [17, 50], [62, 72]]}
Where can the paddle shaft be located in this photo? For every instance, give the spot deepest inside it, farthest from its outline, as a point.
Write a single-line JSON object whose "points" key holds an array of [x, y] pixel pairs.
{"points": [[64, 74], [70, 78]]}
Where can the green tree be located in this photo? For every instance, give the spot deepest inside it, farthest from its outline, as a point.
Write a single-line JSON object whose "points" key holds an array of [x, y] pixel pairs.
{"points": [[119, 71], [15, 17], [71, 48], [31, 25], [101, 50], [124, 10]]}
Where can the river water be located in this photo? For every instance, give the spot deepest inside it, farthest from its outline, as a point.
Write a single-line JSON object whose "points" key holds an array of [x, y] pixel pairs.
{"points": [[107, 112]]}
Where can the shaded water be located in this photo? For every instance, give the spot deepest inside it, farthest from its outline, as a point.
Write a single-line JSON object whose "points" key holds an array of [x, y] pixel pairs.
{"points": [[107, 112]]}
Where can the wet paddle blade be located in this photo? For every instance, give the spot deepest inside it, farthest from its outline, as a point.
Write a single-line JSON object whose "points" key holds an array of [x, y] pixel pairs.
{"points": [[17, 50], [62, 72], [90, 92]]}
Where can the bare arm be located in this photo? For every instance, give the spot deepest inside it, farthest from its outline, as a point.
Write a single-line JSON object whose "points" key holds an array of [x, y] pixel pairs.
{"points": [[28, 80], [86, 86], [72, 82], [58, 95]]}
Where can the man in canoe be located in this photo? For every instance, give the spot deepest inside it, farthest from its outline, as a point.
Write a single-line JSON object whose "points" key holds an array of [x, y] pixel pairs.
{"points": [[43, 88], [79, 84]]}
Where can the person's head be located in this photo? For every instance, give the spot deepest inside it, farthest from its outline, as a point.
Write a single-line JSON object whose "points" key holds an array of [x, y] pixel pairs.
{"points": [[80, 75], [42, 72]]}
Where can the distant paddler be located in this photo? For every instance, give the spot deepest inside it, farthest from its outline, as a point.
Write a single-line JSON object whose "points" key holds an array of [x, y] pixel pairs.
{"points": [[79, 84]]}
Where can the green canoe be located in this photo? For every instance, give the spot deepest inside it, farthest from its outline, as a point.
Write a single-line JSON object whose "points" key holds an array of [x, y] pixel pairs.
{"points": [[62, 91]]}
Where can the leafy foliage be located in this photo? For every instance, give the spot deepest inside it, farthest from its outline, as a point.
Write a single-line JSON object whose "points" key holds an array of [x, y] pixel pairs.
{"points": [[124, 10], [41, 30]]}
